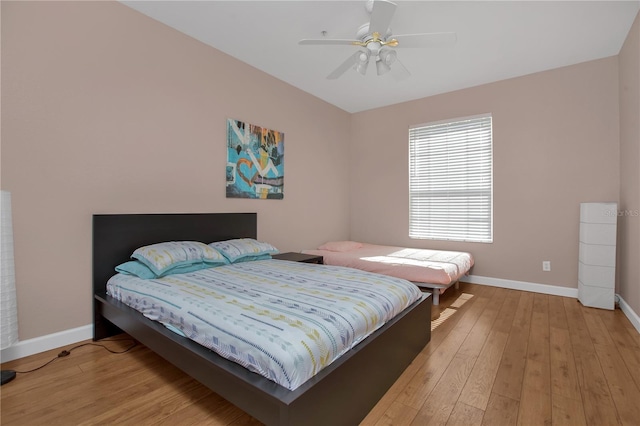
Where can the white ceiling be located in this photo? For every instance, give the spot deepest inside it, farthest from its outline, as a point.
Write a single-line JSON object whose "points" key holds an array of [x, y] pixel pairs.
{"points": [[495, 40]]}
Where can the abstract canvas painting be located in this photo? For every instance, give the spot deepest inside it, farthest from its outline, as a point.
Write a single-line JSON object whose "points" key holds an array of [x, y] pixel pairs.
{"points": [[255, 161]]}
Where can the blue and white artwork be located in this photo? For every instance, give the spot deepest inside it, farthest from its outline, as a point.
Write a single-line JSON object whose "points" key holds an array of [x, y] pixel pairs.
{"points": [[255, 161]]}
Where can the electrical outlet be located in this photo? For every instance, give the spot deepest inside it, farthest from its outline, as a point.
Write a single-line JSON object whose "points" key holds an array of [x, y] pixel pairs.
{"points": [[546, 265]]}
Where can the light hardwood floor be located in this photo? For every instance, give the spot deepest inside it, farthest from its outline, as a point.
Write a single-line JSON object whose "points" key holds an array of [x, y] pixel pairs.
{"points": [[496, 357]]}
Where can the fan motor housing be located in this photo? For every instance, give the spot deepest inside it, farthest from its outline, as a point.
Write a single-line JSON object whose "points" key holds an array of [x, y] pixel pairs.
{"points": [[363, 33]]}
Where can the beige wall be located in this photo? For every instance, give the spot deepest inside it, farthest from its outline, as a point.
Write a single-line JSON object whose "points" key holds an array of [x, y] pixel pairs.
{"points": [[105, 110], [629, 221], [556, 144]]}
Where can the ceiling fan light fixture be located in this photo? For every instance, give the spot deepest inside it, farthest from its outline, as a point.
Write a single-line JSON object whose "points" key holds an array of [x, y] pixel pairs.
{"points": [[362, 63], [388, 56], [361, 67], [385, 59], [382, 67]]}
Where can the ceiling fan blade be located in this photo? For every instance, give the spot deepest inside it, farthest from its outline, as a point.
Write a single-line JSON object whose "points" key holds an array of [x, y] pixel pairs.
{"points": [[349, 63], [327, 42], [398, 71], [426, 39], [381, 16]]}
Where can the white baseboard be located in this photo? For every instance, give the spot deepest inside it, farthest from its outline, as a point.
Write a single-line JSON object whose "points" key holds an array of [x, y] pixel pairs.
{"points": [[629, 313], [46, 343], [75, 335], [522, 285], [548, 289]]}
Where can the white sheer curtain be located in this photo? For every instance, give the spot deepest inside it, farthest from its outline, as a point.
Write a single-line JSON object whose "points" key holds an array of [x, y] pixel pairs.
{"points": [[8, 302]]}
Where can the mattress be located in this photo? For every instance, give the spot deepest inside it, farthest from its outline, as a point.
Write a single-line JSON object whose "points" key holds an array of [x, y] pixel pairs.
{"points": [[417, 265], [283, 320]]}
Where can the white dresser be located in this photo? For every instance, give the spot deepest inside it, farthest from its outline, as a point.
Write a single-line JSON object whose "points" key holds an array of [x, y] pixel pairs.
{"points": [[597, 255]]}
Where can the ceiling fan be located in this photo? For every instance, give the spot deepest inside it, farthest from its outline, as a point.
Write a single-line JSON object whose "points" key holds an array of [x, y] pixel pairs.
{"points": [[376, 42]]}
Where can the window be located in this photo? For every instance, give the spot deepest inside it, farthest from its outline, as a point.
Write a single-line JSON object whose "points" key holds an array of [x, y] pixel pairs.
{"points": [[450, 180]]}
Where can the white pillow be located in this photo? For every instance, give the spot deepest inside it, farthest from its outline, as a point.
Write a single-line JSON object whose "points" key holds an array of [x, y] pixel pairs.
{"points": [[162, 257]]}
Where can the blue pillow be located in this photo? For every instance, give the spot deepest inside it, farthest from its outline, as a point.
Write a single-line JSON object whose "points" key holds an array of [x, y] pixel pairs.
{"points": [[252, 258], [183, 269], [240, 248], [136, 268], [140, 270]]}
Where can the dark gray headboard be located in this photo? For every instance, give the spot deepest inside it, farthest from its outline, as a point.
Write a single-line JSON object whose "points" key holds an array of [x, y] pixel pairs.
{"points": [[116, 236]]}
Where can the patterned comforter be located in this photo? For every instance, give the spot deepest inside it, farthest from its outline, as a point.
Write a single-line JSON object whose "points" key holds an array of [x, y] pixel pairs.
{"points": [[283, 320]]}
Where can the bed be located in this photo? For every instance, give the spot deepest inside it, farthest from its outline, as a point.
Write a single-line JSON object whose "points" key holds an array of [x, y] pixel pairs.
{"points": [[433, 269], [326, 398]]}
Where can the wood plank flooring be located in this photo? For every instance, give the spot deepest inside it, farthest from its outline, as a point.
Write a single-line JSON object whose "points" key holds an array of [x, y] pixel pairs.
{"points": [[496, 357]]}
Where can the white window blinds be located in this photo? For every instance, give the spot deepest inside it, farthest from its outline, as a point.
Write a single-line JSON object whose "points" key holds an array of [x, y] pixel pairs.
{"points": [[450, 180]]}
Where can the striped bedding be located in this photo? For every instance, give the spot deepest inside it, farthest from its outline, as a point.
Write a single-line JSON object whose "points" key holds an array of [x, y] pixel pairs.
{"points": [[283, 320]]}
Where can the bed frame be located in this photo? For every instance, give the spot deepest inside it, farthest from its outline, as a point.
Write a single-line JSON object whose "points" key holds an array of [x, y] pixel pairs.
{"points": [[437, 289], [341, 394]]}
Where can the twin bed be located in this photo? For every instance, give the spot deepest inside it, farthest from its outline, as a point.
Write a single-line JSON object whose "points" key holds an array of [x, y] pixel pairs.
{"points": [[434, 269], [346, 377]]}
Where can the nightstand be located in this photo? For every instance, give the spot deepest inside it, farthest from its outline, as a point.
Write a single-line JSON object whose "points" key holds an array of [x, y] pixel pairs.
{"points": [[299, 257]]}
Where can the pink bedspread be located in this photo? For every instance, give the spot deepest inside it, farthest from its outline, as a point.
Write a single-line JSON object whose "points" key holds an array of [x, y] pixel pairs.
{"points": [[417, 265]]}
